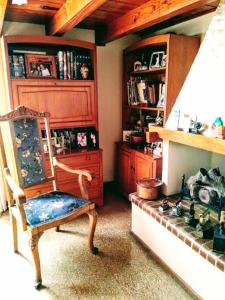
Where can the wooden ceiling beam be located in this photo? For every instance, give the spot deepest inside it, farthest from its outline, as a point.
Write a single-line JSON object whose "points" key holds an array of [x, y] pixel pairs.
{"points": [[151, 13], [3, 4], [70, 14]]}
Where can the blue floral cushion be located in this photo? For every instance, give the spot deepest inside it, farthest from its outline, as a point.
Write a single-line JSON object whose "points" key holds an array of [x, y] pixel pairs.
{"points": [[51, 206], [29, 151]]}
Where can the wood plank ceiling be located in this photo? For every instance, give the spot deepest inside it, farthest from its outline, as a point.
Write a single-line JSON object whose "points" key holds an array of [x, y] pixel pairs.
{"points": [[110, 19]]}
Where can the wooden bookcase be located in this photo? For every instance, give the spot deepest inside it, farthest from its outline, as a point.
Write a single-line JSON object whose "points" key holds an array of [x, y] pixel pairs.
{"points": [[180, 52], [71, 103]]}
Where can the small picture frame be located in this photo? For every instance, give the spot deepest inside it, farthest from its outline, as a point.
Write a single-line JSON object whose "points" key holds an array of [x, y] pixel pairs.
{"points": [[40, 66], [137, 65], [81, 138], [127, 135], [45, 144], [156, 60], [92, 137]]}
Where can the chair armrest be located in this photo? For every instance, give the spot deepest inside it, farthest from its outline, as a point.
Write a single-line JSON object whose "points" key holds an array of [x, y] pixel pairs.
{"points": [[66, 168], [17, 191], [19, 197]]}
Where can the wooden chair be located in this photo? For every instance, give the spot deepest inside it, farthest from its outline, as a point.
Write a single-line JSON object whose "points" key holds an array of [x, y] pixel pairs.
{"points": [[59, 207]]}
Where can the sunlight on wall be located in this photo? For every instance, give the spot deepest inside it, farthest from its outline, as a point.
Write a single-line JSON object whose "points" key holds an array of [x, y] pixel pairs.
{"points": [[202, 94]]}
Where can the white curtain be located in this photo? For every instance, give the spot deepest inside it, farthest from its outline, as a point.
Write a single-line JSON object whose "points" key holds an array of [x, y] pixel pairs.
{"points": [[2, 193]]}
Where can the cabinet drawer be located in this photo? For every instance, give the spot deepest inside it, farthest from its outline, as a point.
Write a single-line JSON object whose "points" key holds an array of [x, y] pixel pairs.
{"points": [[38, 189], [63, 176], [72, 187], [80, 160]]}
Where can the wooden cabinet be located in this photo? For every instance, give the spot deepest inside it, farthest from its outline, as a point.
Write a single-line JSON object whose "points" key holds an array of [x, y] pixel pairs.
{"points": [[71, 103], [125, 170], [133, 165], [154, 71]]}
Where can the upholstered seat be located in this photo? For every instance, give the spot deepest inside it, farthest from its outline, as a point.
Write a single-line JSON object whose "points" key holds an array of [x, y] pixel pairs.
{"points": [[51, 206]]}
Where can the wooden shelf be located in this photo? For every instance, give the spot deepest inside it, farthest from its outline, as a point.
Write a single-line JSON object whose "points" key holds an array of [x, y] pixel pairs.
{"points": [[43, 79], [144, 107], [149, 71], [193, 140]]}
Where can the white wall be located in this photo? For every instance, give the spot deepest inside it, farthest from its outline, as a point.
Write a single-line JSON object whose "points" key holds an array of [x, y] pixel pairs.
{"points": [[201, 95], [109, 67]]}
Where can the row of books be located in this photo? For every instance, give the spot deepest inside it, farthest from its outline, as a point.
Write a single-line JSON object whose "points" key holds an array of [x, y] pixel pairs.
{"points": [[145, 92], [70, 65]]}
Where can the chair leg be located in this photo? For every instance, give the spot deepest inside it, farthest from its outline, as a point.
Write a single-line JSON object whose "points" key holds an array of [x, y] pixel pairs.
{"points": [[13, 222], [57, 229], [92, 224], [33, 243]]}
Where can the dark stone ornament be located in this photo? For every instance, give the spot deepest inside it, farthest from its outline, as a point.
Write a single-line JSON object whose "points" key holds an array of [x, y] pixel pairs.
{"points": [[205, 227], [219, 231], [177, 210], [164, 206], [190, 218]]}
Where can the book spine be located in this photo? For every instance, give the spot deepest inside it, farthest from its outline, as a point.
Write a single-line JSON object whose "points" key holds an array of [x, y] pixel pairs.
{"points": [[12, 73], [16, 66], [64, 65], [61, 64], [68, 64], [78, 66], [75, 66], [71, 66], [21, 66]]}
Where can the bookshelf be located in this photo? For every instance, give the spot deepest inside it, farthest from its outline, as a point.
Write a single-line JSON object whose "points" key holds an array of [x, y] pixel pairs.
{"points": [[168, 74], [154, 71], [70, 98]]}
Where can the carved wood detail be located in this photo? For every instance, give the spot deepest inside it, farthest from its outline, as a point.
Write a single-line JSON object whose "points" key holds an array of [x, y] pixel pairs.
{"points": [[25, 112]]}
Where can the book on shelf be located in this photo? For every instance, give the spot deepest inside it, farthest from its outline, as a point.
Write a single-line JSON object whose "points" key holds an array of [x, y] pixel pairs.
{"points": [[60, 64], [20, 51], [71, 65], [64, 65], [68, 65], [162, 90], [17, 66]]}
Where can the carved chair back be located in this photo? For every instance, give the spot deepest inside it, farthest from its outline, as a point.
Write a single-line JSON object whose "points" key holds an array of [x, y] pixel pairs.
{"points": [[27, 144]]}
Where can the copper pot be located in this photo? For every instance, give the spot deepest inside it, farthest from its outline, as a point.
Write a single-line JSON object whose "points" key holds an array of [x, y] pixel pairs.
{"points": [[148, 188]]}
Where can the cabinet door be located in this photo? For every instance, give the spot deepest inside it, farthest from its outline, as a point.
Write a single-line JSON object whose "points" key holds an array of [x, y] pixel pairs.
{"points": [[125, 171], [143, 167], [70, 103]]}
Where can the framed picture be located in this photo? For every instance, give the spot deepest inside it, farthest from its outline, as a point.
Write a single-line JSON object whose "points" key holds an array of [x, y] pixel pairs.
{"points": [[93, 141], [127, 134], [40, 66], [156, 60], [81, 138], [45, 144]]}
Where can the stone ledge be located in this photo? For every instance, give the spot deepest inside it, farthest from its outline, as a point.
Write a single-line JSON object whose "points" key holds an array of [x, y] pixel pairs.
{"points": [[177, 226]]}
